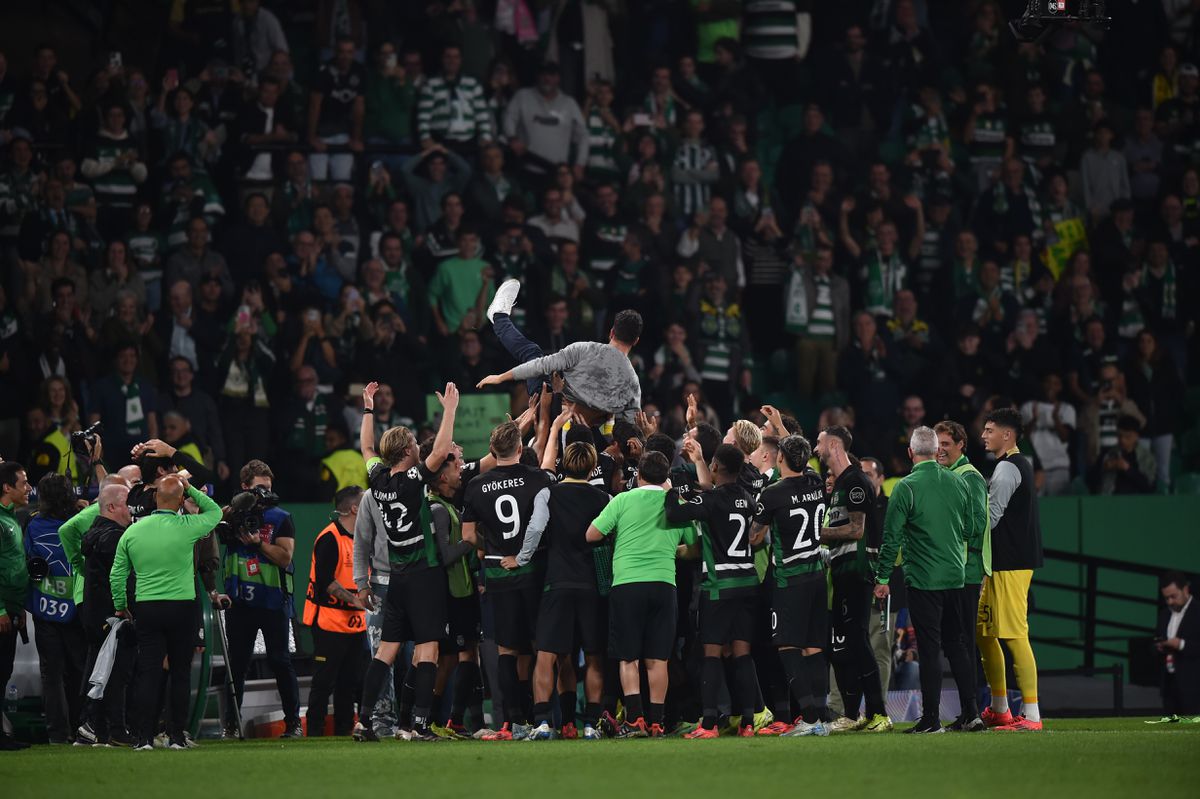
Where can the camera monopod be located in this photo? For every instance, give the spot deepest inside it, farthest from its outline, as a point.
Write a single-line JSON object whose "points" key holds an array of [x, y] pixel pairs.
{"points": [[219, 618]]}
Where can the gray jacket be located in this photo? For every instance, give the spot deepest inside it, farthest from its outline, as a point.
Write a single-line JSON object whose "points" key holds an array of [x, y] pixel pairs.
{"points": [[596, 375], [370, 543], [550, 127]]}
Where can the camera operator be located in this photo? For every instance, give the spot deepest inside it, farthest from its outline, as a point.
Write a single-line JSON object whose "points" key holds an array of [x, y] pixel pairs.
{"points": [[107, 722], [257, 565], [337, 618], [159, 550], [157, 459], [14, 575]]}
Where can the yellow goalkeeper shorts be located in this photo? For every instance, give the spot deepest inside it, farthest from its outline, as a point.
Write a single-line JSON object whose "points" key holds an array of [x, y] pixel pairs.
{"points": [[1004, 605]]}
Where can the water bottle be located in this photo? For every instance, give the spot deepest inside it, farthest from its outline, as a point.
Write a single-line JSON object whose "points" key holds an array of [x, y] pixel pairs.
{"points": [[11, 698]]}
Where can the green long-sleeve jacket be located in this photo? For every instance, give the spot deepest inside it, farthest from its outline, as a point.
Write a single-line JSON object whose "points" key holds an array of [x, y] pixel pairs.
{"points": [[70, 535], [925, 519], [14, 575], [979, 531], [158, 549]]}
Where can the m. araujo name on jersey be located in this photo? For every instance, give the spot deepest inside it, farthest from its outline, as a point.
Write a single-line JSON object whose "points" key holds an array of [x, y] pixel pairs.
{"points": [[794, 509]]}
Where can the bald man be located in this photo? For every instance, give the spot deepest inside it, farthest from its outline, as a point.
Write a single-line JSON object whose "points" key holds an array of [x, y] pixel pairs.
{"points": [[159, 550]]}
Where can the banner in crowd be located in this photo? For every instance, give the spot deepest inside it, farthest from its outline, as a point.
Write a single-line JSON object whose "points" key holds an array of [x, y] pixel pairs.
{"points": [[1070, 235], [477, 415]]}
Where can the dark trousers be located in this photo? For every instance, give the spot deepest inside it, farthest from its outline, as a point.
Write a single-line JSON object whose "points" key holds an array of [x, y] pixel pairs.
{"points": [[341, 659], [850, 650], [8, 653], [108, 716], [962, 624], [165, 628], [935, 618], [242, 624], [518, 346], [62, 654]]}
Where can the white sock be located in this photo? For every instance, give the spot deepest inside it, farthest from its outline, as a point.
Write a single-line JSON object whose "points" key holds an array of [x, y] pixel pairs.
{"points": [[1000, 704], [1030, 711]]}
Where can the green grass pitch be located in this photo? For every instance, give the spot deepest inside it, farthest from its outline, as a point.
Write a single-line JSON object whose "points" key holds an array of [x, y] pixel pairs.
{"points": [[1072, 758]]}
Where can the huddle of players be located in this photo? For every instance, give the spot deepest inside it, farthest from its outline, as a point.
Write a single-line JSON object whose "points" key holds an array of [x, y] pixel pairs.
{"points": [[761, 513]]}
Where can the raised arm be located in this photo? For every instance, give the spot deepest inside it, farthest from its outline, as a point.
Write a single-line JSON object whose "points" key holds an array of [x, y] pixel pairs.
{"points": [[550, 455], [445, 434], [366, 431]]}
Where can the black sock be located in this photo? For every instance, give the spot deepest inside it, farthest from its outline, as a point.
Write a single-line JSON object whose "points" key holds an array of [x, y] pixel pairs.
{"points": [[633, 708], [373, 682], [541, 712], [712, 673], [526, 701], [404, 694], [795, 666], [466, 679], [435, 709], [870, 685], [566, 707], [591, 714], [746, 688], [423, 682], [657, 713], [510, 687], [819, 677]]}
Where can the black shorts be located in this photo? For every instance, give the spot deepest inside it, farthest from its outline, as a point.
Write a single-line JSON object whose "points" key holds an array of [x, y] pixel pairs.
{"points": [[415, 608], [463, 623], [800, 613], [515, 614], [850, 616], [729, 618], [641, 621], [570, 618]]}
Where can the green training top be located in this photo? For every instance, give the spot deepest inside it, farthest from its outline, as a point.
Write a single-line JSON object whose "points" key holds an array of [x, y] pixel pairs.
{"points": [[925, 518], [979, 532], [158, 549], [14, 574], [70, 535], [646, 541]]}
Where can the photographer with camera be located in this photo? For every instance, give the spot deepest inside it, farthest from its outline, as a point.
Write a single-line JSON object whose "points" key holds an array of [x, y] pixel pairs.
{"points": [[159, 550], [260, 539], [14, 575], [61, 646], [337, 618]]}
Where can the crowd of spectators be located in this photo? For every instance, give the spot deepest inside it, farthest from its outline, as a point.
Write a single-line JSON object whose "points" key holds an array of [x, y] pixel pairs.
{"points": [[902, 210]]}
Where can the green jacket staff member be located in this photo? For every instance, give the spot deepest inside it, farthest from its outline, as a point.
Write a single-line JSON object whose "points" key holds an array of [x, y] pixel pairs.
{"points": [[926, 519], [642, 608], [158, 550], [14, 574]]}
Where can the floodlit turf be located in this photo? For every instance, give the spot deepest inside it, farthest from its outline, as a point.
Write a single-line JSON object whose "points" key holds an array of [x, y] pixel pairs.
{"points": [[1076, 758]]}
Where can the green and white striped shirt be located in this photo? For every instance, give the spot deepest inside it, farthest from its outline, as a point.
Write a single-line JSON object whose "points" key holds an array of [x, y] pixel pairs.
{"points": [[770, 29], [454, 111], [602, 146], [820, 321]]}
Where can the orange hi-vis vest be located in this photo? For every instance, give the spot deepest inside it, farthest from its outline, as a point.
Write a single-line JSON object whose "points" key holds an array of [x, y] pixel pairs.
{"points": [[328, 612]]}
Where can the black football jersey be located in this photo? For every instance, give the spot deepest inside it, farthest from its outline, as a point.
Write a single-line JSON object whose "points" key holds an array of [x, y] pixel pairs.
{"points": [[400, 497], [724, 514], [794, 510], [500, 503]]}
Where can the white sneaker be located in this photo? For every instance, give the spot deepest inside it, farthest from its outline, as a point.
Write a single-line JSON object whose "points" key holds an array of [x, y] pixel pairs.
{"points": [[505, 299], [590, 733], [801, 727], [404, 735], [542, 732]]}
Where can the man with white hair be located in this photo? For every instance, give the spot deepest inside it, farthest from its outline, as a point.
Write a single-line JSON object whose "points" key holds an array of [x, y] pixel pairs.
{"points": [[925, 518]]}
